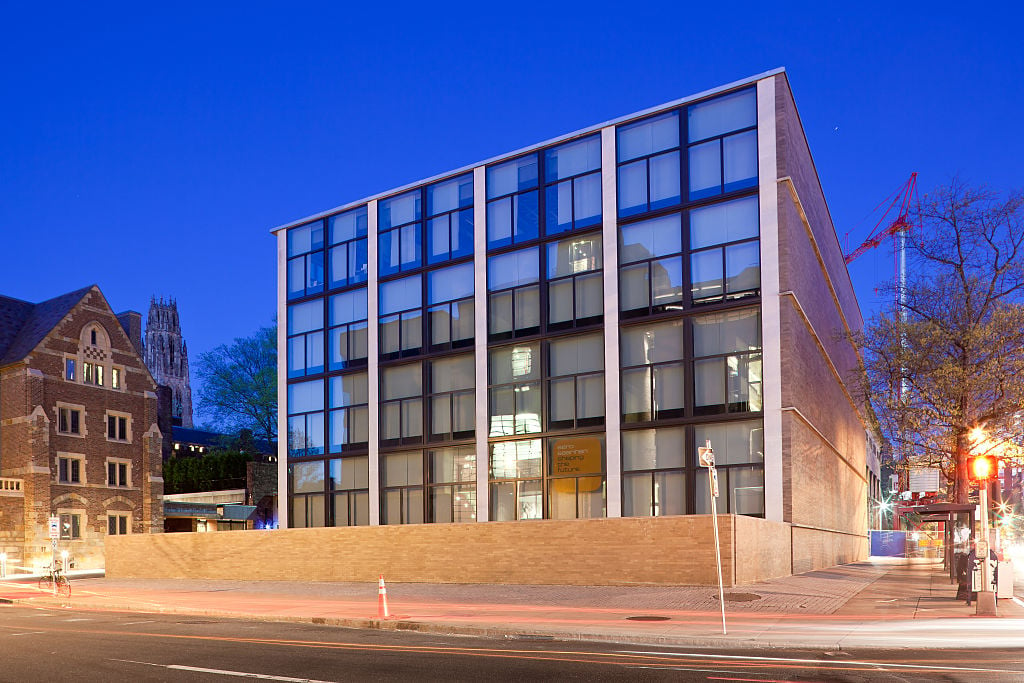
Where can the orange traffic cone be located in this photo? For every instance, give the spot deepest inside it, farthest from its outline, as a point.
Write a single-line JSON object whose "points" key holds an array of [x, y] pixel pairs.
{"points": [[382, 599]]}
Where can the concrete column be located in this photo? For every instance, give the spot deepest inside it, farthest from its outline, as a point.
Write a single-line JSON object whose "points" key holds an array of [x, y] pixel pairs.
{"points": [[283, 503], [480, 341], [771, 303], [610, 238], [373, 359]]}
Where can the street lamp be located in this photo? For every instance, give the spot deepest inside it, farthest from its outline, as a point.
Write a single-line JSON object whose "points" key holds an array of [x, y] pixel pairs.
{"points": [[982, 468]]}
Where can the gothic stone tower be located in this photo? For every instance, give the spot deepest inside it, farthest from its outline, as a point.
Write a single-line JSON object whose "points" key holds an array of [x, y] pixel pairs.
{"points": [[167, 357]]}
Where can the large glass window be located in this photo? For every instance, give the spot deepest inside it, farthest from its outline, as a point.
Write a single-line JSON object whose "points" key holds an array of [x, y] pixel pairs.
{"points": [[401, 407], [739, 459], [653, 386], [306, 338], [576, 384], [307, 494], [348, 335], [306, 260], [400, 233], [576, 477], [727, 364], [450, 219], [723, 144], [450, 312], [402, 488], [514, 293], [654, 476], [451, 490], [564, 482], [572, 196], [651, 272], [648, 153], [306, 418], [725, 252], [575, 289], [347, 254], [401, 317], [350, 414], [515, 400], [349, 482], [517, 480], [452, 413], [512, 208]]}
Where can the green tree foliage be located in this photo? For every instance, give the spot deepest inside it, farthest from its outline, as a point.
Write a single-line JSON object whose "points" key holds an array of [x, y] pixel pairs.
{"points": [[238, 383], [212, 472], [953, 361]]}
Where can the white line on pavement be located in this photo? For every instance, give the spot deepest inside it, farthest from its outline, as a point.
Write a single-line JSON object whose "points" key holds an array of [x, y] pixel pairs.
{"points": [[225, 672], [811, 661]]}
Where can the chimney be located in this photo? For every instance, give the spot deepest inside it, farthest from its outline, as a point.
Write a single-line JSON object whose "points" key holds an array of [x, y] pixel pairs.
{"points": [[131, 321]]}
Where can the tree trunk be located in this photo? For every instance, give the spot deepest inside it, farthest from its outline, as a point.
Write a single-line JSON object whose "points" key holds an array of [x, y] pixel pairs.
{"points": [[962, 486]]}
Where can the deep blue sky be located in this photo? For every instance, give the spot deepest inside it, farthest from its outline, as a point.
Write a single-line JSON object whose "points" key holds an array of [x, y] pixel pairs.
{"points": [[150, 151]]}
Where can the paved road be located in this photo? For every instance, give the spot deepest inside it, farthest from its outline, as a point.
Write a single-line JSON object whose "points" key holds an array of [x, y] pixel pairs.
{"points": [[58, 644]]}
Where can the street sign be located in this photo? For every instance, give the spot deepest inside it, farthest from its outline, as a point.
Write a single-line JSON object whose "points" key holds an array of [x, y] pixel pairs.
{"points": [[714, 482], [54, 528], [706, 456]]}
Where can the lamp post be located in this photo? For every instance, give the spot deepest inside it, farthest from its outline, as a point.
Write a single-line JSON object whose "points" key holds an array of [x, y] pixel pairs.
{"points": [[983, 468]]}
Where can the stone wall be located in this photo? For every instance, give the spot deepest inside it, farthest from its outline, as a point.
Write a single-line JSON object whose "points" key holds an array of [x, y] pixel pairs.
{"points": [[660, 550], [823, 432]]}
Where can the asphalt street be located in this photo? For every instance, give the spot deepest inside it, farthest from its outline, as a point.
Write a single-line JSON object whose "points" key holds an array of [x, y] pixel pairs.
{"points": [[45, 644]]}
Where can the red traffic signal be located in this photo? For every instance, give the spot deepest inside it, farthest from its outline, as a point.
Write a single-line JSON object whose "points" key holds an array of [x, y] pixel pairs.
{"points": [[982, 467]]}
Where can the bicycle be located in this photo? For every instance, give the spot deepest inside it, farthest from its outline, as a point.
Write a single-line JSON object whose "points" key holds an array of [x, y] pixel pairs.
{"points": [[55, 581]]}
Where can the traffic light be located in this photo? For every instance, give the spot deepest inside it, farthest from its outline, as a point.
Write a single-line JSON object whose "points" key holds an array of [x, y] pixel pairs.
{"points": [[982, 467]]}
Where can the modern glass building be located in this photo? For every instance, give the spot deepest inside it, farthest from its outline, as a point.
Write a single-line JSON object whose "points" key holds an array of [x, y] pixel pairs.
{"points": [[552, 333]]}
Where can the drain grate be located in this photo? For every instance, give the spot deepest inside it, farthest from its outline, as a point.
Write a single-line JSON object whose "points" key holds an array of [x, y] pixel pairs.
{"points": [[648, 617]]}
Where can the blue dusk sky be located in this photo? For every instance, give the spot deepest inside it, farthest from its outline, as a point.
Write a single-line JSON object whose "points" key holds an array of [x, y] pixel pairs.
{"points": [[150, 149]]}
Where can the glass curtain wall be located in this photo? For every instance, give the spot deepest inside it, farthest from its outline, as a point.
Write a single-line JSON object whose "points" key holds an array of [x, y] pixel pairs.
{"points": [[689, 295], [426, 376], [545, 297]]}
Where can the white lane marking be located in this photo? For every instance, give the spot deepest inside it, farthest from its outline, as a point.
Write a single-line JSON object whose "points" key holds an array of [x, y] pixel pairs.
{"points": [[1018, 601], [132, 623], [77, 619], [225, 672], [811, 661], [28, 633]]}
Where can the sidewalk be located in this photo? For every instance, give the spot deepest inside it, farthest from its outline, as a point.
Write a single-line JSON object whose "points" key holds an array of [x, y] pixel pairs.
{"points": [[883, 602]]}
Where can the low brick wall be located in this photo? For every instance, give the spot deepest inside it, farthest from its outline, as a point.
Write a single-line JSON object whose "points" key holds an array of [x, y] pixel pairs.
{"points": [[764, 549], [665, 550]]}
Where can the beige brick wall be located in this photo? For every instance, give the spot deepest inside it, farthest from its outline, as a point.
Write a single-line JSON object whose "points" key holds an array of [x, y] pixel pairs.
{"points": [[763, 549], [665, 550]]}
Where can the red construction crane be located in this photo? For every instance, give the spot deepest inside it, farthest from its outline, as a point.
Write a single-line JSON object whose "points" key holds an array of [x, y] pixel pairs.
{"points": [[903, 198]]}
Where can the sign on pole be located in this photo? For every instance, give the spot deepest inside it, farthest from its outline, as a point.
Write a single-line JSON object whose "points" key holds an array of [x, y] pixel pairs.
{"points": [[706, 458], [54, 528]]}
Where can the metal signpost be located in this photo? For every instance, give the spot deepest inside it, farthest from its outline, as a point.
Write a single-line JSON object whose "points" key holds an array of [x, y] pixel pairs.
{"points": [[706, 458], [54, 535]]}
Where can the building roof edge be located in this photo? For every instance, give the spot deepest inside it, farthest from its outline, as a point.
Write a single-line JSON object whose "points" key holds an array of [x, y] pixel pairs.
{"points": [[524, 150]]}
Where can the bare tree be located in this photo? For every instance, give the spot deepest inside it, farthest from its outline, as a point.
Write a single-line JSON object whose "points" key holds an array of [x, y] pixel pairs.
{"points": [[954, 360], [239, 383]]}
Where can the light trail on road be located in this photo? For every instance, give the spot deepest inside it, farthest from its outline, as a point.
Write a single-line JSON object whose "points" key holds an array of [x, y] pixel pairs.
{"points": [[694, 662]]}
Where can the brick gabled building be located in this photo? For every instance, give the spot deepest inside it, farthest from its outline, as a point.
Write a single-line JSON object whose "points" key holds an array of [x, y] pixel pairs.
{"points": [[78, 428]]}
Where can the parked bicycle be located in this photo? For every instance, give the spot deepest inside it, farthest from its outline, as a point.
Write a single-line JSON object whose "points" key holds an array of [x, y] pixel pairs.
{"points": [[55, 581]]}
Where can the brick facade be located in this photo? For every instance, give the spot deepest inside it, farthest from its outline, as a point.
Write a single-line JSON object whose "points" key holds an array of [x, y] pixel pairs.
{"points": [[78, 429], [656, 550]]}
